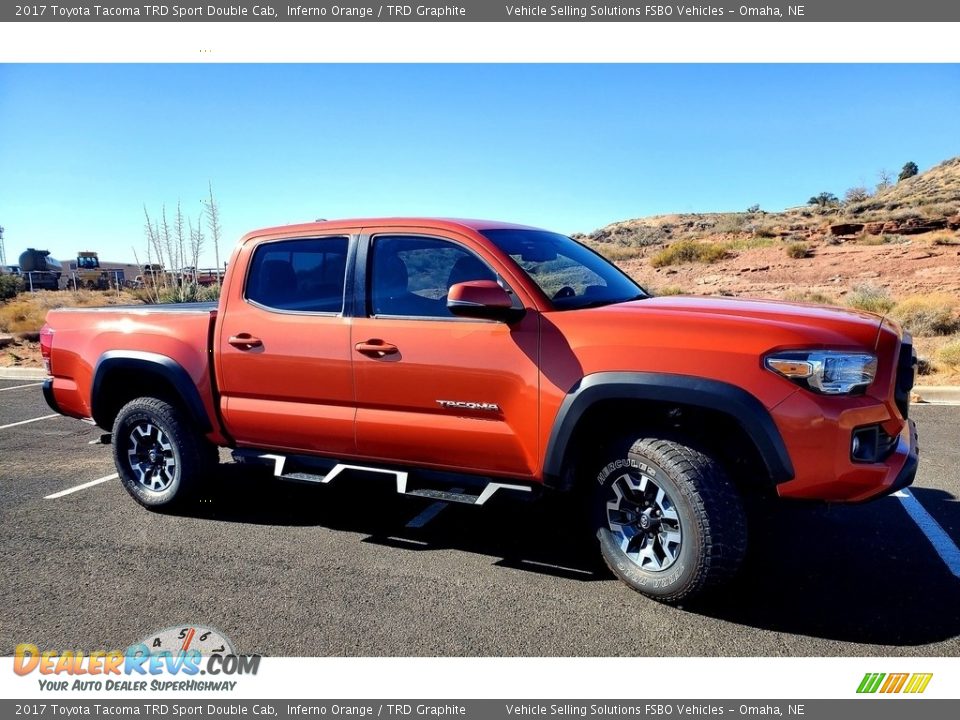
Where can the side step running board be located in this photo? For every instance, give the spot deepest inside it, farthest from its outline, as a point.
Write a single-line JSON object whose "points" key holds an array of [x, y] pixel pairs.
{"points": [[402, 477]]}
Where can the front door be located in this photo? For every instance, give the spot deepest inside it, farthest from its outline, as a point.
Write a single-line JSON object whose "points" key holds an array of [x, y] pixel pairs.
{"points": [[434, 389]]}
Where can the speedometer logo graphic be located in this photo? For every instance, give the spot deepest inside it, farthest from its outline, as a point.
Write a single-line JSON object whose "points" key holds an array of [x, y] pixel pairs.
{"points": [[187, 638]]}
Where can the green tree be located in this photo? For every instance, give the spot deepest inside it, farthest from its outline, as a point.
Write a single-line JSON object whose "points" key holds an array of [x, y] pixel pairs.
{"points": [[824, 200], [909, 170]]}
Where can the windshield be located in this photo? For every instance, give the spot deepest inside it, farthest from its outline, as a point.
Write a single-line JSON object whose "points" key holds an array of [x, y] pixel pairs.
{"points": [[570, 274]]}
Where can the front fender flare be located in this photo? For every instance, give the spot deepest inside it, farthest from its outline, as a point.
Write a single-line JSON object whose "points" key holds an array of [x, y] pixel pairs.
{"points": [[715, 395]]}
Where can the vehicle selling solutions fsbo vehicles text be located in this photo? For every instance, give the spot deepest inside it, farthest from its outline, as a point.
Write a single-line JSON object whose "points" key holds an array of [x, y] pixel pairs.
{"points": [[625, 11]]}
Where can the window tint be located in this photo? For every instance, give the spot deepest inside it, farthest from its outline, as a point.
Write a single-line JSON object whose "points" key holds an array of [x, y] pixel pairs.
{"points": [[411, 275], [300, 275]]}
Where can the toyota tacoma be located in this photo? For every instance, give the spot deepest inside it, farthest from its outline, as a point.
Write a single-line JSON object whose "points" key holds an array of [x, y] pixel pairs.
{"points": [[464, 359]]}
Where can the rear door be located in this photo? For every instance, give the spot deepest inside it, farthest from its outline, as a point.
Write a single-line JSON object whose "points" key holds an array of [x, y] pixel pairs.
{"points": [[434, 389], [284, 361]]}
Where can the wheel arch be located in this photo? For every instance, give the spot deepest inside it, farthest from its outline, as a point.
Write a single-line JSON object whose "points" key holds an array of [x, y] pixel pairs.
{"points": [[716, 399], [122, 375]]}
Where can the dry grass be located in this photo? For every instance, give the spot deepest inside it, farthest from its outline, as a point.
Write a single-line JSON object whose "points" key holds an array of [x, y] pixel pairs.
{"points": [[883, 239], [869, 298], [798, 250], [689, 251], [943, 237], [809, 296], [616, 252], [949, 354], [668, 290], [928, 314], [28, 311]]}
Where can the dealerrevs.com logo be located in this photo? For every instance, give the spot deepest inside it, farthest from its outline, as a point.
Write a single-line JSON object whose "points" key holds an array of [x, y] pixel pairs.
{"points": [[912, 683], [177, 652]]}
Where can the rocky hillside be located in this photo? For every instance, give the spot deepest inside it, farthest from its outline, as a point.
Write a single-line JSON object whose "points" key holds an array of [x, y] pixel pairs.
{"points": [[892, 252]]}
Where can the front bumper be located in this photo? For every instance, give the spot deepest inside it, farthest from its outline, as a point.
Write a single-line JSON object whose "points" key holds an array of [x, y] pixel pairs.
{"points": [[818, 434], [909, 445]]}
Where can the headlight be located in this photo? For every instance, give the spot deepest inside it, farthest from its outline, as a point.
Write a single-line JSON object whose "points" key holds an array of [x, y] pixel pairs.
{"points": [[831, 372]]}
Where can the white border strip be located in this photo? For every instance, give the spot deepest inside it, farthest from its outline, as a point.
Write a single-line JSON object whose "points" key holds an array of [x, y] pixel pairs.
{"points": [[618, 42]]}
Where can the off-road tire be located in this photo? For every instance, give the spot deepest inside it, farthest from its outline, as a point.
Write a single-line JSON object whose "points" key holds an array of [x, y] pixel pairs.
{"points": [[154, 422], [711, 518]]}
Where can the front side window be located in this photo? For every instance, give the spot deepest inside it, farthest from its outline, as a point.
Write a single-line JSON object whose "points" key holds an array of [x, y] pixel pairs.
{"points": [[304, 275], [568, 273], [410, 276]]}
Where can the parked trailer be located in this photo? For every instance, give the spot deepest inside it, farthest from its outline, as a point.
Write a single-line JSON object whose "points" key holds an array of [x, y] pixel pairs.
{"points": [[39, 270]]}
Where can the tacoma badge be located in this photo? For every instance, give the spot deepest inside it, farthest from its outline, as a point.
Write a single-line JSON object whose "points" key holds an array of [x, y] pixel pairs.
{"points": [[451, 404]]}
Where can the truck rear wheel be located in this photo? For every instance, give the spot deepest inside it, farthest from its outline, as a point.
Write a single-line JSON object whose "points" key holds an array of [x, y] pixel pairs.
{"points": [[160, 457], [669, 521]]}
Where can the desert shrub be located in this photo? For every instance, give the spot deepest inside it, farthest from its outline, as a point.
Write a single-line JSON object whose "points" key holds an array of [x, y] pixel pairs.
{"points": [[10, 286], [809, 296], [189, 293], [882, 239], [949, 354], [689, 251], [944, 237], [856, 195], [928, 314], [798, 250], [869, 298], [668, 290], [730, 223], [751, 242], [615, 251]]}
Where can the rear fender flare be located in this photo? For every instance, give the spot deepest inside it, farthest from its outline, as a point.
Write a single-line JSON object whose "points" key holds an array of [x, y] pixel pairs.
{"points": [[148, 363]]}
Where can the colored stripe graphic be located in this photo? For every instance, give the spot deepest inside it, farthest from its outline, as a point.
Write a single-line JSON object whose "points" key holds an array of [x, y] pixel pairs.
{"points": [[918, 682], [870, 682], [894, 683]]}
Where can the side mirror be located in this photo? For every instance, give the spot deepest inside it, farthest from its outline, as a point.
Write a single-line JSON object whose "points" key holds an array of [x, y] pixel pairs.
{"points": [[483, 299]]}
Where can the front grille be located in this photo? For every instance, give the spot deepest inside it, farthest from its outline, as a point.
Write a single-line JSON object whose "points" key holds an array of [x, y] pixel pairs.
{"points": [[906, 369]]}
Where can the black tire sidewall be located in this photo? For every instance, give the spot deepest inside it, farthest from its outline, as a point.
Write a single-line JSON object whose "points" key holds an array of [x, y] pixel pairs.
{"points": [[128, 418], [682, 573]]}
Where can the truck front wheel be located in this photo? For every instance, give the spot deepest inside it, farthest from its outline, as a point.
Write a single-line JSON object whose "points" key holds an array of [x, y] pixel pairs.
{"points": [[669, 521], [160, 456]]}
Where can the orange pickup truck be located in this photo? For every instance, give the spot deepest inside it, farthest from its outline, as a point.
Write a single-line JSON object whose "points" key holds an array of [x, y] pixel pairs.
{"points": [[467, 359]]}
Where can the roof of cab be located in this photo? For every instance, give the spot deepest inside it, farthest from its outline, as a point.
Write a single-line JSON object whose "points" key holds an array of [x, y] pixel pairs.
{"points": [[430, 222]]}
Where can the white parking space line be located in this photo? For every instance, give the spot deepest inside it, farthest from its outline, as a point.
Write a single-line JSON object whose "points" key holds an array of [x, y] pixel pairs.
{"points": [[430, 513], [24, 422], [84, 486], [20, 387], [942, 543]]}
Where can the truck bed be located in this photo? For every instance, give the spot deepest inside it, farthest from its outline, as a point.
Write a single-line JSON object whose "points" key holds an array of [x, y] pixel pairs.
{"points": [[84, 338]]}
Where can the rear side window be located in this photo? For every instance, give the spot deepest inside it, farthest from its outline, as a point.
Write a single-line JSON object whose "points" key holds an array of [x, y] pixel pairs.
{"points": [[299, 275]]}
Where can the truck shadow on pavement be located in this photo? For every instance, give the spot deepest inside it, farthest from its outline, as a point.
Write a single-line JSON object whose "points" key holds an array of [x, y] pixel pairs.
{"points": [[863, 574], [859, 573]]}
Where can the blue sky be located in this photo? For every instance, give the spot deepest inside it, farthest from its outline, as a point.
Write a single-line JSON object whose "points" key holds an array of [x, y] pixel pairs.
{"points": [[568, 147]]}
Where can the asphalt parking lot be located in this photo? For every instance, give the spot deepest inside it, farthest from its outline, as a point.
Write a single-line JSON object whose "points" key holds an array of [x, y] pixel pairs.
{"points": [[353, 569]]}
